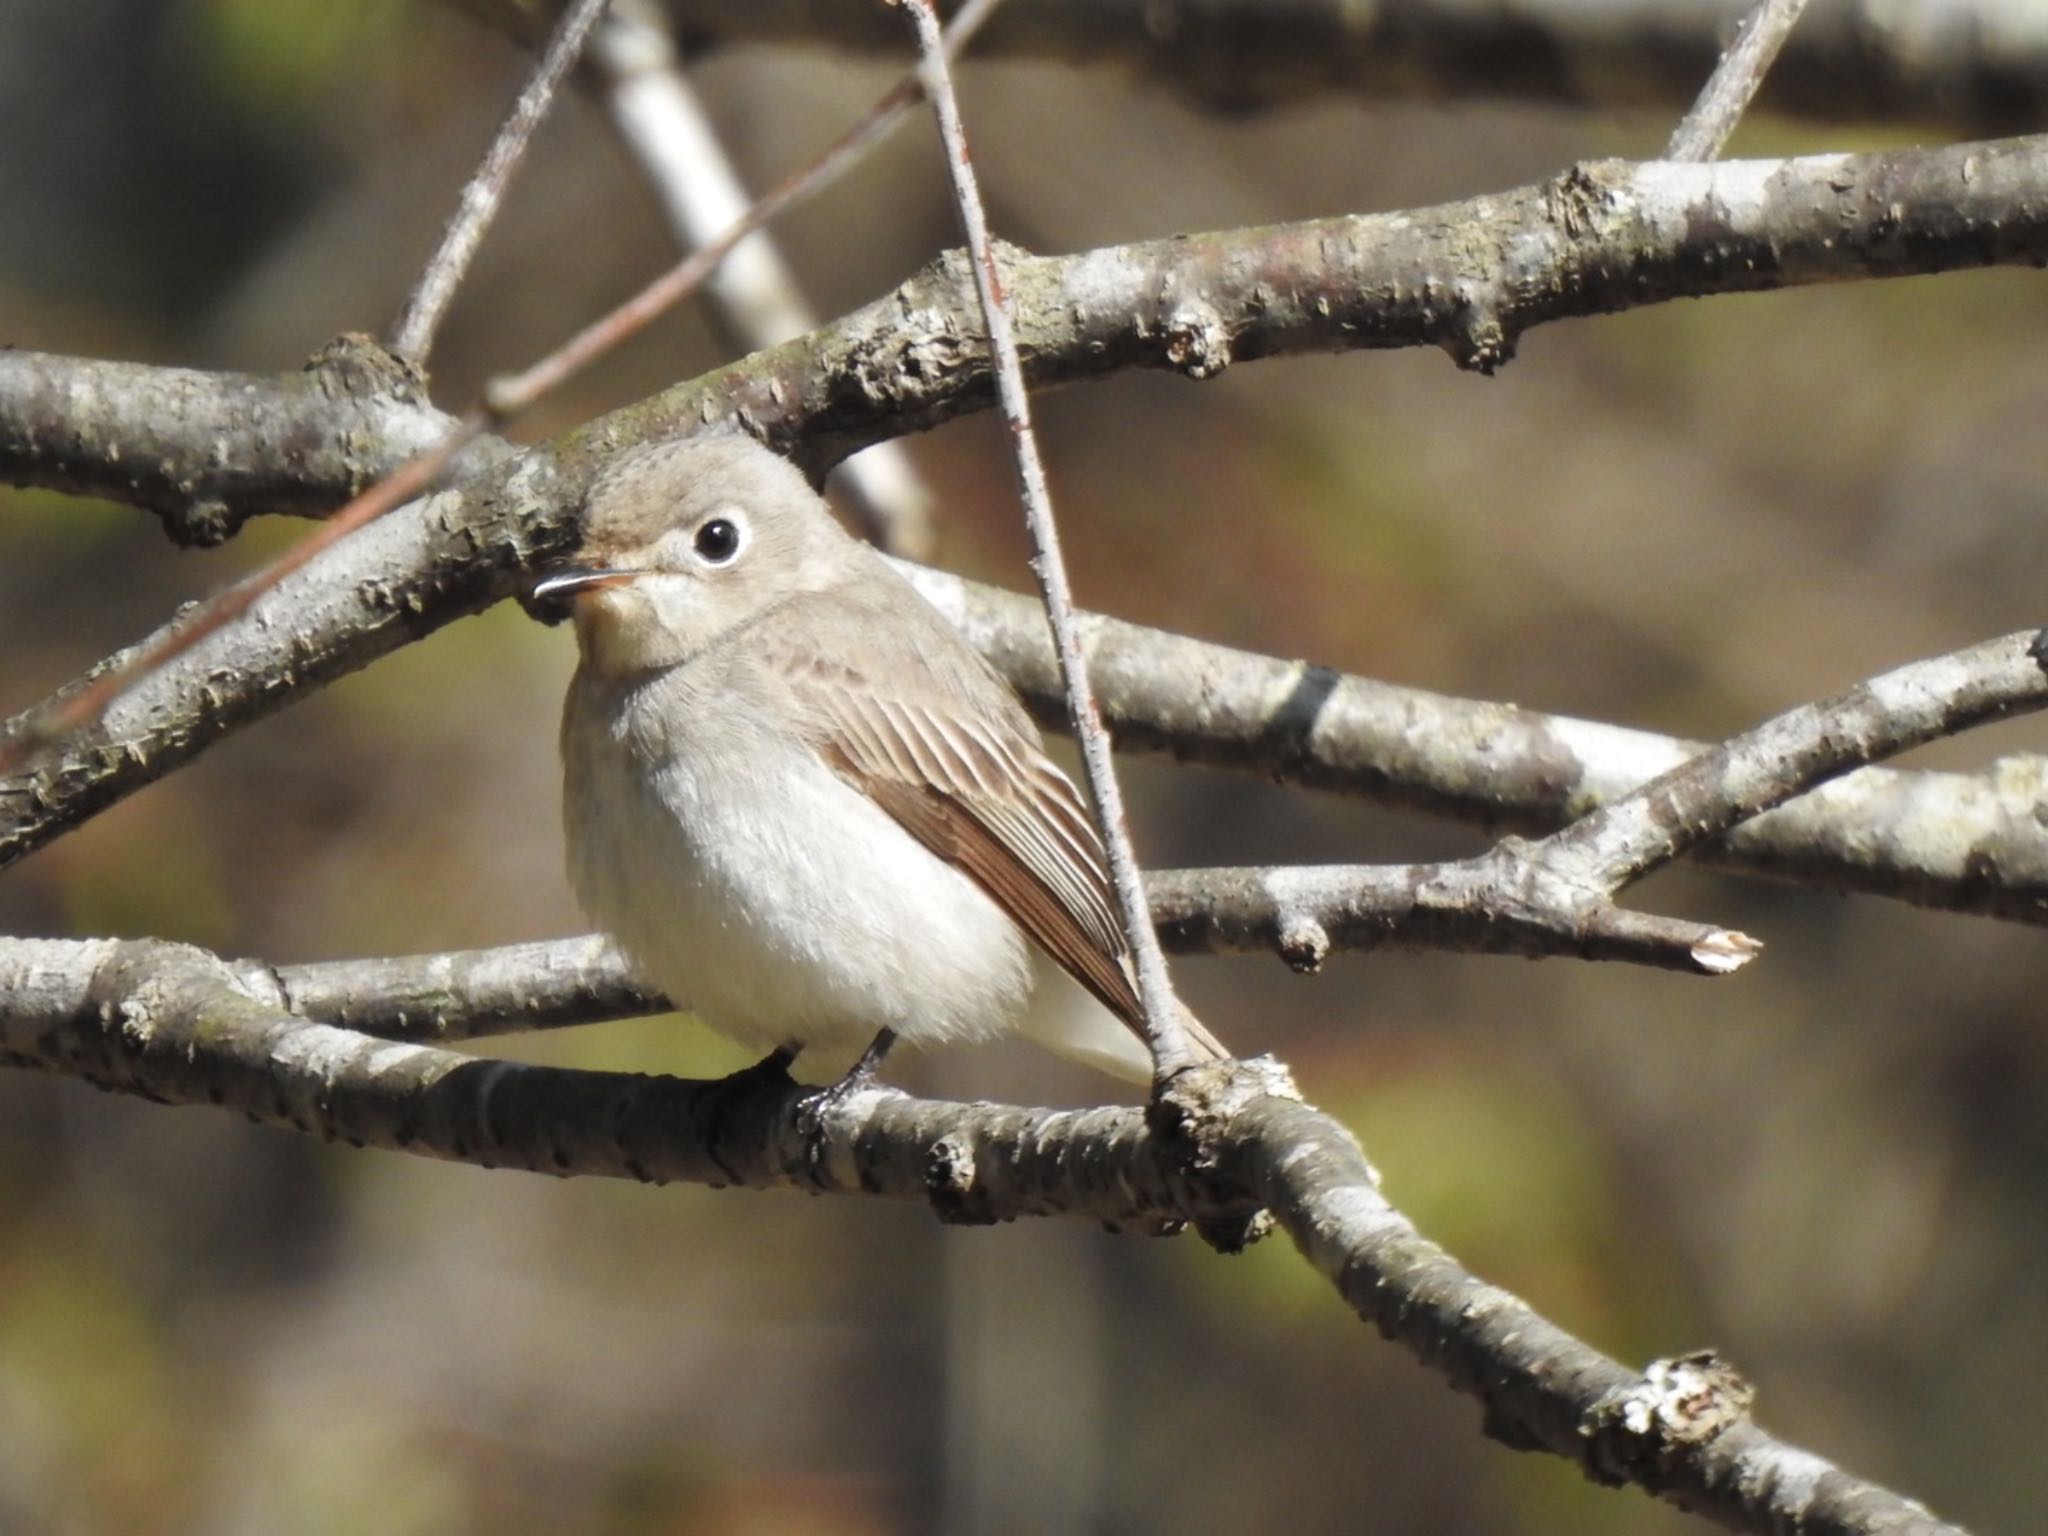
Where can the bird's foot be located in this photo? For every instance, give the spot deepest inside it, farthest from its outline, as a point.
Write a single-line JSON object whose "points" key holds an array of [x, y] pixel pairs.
{"points": [[811, 1114]]}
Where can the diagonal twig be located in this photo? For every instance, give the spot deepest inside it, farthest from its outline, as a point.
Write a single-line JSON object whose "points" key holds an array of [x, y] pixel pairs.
{"points": [[412, 334], [1704, 130], [1164, 1029], [507, 395], [1790, 753]]}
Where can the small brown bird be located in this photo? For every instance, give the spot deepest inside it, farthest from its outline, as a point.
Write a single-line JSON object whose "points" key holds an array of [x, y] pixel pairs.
{"points": [[797, 799]]}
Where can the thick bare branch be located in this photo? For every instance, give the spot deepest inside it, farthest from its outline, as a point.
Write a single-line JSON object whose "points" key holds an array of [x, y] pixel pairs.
{"points": [[1980, 66], [1469, 277], [1960, 842], [176, 1025], [1680, 1430], [400, 577], [205, 451], [1965, 843]]}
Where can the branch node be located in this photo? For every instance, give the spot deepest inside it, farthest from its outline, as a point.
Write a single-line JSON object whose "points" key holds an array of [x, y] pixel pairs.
{"points": [[1677, 1406], [951, 1185], [1193, 1114], [1197, 341], [1304, 943], [203, 524], [358, 366], [2038, 650], [1480, 342], [1726, 951]]}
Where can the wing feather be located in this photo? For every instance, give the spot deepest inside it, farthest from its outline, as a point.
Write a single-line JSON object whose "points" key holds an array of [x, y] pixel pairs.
{"points": [[930, 733]]}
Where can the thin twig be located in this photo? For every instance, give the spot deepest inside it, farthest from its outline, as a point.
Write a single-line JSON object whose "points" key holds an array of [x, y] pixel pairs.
{"points": [[507, 395], [1305, 914], [1789, 754], [754, 296], [1164, 1029], [1704, 131], [412, 334]]}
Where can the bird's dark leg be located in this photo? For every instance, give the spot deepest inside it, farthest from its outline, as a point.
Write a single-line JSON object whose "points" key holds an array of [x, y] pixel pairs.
{"points": [[870, 1060], [859, 1075], [862, 1073]]}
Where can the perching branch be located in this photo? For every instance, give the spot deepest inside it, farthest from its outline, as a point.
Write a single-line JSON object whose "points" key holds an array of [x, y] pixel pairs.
{"points": [[1965, 843], [178, 1026]]}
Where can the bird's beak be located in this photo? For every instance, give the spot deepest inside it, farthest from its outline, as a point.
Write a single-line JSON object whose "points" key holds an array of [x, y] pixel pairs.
{"points": [[568, 580], [549, 600]]}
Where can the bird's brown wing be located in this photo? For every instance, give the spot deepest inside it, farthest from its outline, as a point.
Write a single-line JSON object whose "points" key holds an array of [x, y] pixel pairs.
{"points": [[899, 706], [999, 810]]}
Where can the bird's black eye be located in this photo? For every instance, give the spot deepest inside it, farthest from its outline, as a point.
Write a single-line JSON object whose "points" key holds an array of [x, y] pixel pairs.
{"points": [[718, 540]]}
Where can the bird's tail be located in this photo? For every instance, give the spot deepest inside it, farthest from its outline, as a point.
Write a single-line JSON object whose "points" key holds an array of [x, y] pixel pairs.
{"points": [[1081, 1031]]}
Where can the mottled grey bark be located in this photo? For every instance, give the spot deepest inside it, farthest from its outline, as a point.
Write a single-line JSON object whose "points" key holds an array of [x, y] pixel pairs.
{"points": [[205, 451]]}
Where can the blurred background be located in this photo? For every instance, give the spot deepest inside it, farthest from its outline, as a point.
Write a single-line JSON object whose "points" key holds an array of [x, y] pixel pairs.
{"points": [[1685, 519]]}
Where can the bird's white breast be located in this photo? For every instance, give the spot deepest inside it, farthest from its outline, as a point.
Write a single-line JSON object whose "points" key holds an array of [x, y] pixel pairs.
{"points": [[758, 888]]}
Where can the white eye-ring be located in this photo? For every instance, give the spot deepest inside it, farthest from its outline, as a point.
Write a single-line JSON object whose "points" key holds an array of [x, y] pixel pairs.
{"points": [[718, 540]]}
